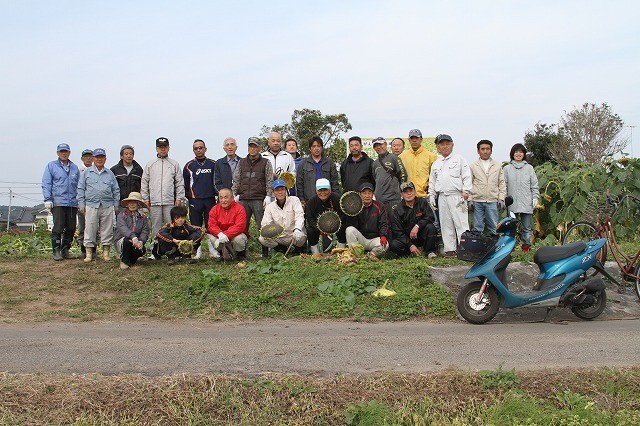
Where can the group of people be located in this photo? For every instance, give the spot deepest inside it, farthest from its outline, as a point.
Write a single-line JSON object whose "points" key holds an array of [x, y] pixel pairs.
{"points": [[407, 196]]}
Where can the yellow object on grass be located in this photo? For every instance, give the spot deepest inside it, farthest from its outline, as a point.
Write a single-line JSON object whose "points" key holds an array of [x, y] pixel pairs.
{"points": [[383, 291]]}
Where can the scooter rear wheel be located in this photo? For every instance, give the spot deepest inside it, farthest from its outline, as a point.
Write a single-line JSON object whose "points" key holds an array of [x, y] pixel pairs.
{"points": [[478, 311], [591, 312]]}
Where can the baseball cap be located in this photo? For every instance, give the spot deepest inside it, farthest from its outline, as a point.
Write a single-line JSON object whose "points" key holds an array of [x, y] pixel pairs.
{"points": [[366, 185], [99, 151], [162, 142], [87, 152], [63, 147], [322, 184], [442, 137], [378, 140], [278, 183], [254, 141], [407, 185], [415, 132]]}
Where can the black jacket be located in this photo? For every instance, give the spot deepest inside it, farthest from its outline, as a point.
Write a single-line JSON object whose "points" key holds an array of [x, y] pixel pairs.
{"points": [[355, 173], [128, 183], [405, 218], [306, 177], [372, 221], [222, 176], [315, 208]]}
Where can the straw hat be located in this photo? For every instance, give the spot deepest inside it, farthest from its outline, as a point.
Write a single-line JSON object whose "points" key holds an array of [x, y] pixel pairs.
{"points": [[133, 196]]}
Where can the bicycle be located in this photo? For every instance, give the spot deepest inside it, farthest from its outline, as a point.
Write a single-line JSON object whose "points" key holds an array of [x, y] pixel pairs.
{"points": [[586, 230]]}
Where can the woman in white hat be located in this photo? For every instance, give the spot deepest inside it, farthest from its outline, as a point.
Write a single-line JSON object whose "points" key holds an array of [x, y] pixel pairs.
{"points": [[132, 230]]}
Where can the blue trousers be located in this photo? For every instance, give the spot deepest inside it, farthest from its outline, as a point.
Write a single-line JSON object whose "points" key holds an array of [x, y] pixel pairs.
{"points": [[485, 215]]}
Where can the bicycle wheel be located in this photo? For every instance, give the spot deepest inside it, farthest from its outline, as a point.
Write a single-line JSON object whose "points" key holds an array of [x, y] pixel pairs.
{"points": [[637, 274], [585, 231]]}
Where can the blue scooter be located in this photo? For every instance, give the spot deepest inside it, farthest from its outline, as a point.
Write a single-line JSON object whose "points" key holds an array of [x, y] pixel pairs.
{"points": [[563, 279]]}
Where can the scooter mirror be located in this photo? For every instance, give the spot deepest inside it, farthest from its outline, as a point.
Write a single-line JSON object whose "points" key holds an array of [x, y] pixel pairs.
{"points": [[512, 215], [508, 200]]}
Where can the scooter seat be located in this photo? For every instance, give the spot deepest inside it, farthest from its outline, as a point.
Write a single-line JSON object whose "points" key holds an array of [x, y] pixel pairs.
{"points": [[549, 254]]}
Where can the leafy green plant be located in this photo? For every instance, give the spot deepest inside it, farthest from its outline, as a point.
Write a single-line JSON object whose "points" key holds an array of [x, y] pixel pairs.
{"points": [[268, 266], [347, 287], [373, 413], [499, 379], [209, 280]]}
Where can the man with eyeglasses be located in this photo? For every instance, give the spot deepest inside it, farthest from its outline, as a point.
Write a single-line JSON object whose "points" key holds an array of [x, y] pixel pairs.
{"points": [[199, 187], [128, 172], [162, 189]]}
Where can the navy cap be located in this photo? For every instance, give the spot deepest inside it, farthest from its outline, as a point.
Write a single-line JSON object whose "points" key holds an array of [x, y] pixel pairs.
{"points": [[63, 147], [162, 142], [99, 151], [415, 132], [366, 185], [442, 137]]}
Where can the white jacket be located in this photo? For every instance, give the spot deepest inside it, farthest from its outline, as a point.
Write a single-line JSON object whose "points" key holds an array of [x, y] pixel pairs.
{"points": [[162, 182], [290, 216], [282, 162]]}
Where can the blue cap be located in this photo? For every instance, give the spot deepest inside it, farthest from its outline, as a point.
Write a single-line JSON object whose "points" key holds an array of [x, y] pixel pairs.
{"points": [[99, 151], [323, 184], [63, 147], [278, 183]]}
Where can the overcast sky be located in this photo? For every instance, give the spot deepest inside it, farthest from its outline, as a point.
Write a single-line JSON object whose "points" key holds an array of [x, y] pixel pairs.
{"points": [[107, 73]]}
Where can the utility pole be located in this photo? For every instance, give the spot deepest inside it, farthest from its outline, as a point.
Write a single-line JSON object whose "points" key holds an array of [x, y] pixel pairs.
{"points": [[631, 128], [9, 211]]}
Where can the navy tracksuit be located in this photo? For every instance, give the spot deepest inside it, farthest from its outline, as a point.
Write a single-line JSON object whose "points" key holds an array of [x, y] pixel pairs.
{"points": [[199, 189]]}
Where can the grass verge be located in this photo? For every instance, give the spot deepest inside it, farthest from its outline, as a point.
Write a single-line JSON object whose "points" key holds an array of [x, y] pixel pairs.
{"points": [[559, 397]]}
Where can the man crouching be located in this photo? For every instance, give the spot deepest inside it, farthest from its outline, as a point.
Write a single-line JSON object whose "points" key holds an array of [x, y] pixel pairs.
{"points": [[287, 212]]}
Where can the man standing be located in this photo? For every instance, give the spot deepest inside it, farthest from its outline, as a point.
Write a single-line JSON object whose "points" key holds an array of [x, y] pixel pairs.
{"points": [[98, 199], [287, 212], [128, 172], [252, 183], [449, 189], [397, 146], [226, 166], [315, 166], [324, 200], [198, 175], [388, 173], [291, 146], [87, 161], [59, 191], [281, 161], [162, 188], [356, 169], [227, 225], [489, 189], [412, 228], [370, 227], [418, 161]]}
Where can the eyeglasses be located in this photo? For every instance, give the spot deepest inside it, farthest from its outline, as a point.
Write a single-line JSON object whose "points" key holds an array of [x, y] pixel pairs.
{"points": [[198, 148]]}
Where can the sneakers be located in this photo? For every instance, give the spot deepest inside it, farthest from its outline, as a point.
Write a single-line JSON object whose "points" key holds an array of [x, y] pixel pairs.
{"points": [[451, 253], [431, 255], [214, 254], [124, 265], [198, 254], [172, 261], [151, 257]]}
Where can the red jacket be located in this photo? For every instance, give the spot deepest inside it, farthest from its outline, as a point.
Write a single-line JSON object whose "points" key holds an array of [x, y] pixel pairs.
{"points": [[231, 221]]}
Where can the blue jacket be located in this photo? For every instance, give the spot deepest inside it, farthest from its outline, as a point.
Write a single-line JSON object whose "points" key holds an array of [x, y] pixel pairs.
{"points": [[198, 179], [60, 184], [222, 176], [98, 189]]}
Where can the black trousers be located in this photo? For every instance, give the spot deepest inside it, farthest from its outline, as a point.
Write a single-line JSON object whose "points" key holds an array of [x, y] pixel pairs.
{"points": [[64, 225], [313, 235], [199, 209], [426, 240], [130, 253]]}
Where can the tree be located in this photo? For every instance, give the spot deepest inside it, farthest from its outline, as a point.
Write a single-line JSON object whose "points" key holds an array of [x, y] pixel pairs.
{"points": [[538, 141], [590, 134], [306, 123]]}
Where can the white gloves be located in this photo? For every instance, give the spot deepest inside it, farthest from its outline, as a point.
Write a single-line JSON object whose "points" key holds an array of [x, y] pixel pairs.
{"points": [[236, 198], [266, 201], [534, 203], [432, 203], [48, 205], [222, 238], [298, 234]]}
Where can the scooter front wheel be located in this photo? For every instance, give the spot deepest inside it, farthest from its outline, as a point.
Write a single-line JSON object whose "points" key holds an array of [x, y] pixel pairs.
{"points": [[474, 310]]}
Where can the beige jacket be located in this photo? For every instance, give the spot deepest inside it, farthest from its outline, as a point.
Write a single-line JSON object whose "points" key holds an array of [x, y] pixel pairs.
{"points": [[290, 216], [487, 187]]}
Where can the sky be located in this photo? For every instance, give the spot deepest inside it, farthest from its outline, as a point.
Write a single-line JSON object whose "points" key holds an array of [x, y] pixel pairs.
{"points": [[107, 73]]}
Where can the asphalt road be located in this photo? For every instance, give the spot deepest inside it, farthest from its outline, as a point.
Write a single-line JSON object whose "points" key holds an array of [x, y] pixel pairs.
{"points": [[313, 348]]}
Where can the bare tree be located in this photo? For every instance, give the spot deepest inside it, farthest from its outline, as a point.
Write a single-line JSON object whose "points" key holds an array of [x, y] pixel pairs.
{"points": [[589, 134]]}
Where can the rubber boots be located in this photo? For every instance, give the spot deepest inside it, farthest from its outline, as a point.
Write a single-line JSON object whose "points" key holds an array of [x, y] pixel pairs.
{"points": [[57, 250], [83, 251], [89, 254], [105, 253], [315, 249], [65, 246]]}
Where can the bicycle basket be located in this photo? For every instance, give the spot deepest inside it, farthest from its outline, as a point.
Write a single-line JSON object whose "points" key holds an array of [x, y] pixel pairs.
{"points": [[597, 208]]}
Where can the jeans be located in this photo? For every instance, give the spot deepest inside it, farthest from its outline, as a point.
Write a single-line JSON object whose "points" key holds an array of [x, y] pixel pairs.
{"points": [[525, 226], [485, 214]]}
